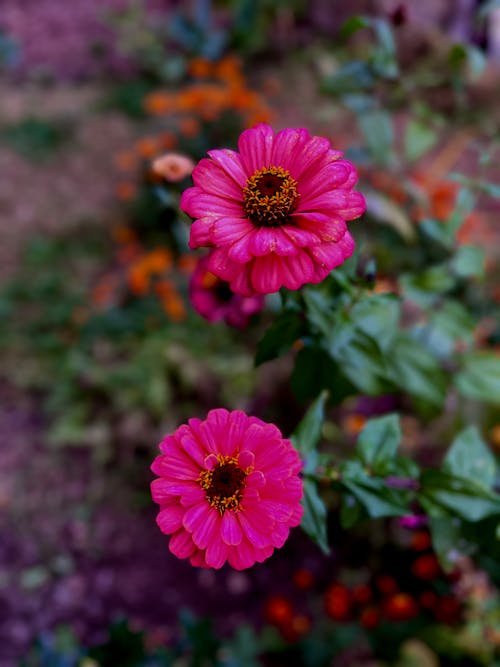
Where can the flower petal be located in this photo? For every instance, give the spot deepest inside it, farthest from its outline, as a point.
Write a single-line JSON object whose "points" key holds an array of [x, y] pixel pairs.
{"points": [[255, 146], [209, 177], [230, 530], [230, 161]]}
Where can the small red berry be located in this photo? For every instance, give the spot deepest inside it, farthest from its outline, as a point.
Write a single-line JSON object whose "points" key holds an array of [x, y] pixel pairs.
{"points": [[338, 602], [278, 610], [400, 607], [426, 567]]}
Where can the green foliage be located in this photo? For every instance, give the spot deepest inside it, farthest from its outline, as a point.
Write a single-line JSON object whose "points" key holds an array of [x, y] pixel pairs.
{"points": [[36, 138]]}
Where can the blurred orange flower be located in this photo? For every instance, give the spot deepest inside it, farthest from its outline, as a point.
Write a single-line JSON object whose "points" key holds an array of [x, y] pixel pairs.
{"points": [[172, 167]]}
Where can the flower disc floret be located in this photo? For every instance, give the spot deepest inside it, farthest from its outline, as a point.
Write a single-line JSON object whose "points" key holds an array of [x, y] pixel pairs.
{"points": [[269, 197], [228, 489], [275, 211]]}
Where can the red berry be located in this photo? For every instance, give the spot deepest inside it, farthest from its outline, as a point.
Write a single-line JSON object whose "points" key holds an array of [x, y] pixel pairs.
{"points": [[386, 584], [338, 602], [369, 618], [400, 607], [420, 541], [426, 567], [278, 610], [362, 593]]}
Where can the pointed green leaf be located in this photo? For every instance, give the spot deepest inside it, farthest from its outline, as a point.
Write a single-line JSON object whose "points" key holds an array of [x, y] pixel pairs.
{"points": [[314, 519], [378, 442], [470, 458]]}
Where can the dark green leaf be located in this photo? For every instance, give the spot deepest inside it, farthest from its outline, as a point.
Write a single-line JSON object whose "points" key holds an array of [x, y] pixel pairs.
{"points": [[470, 458], [377, 316], [480, 377], [314, 370], [415, 370], [378, 443], [314, 519], [306, 436], [463, 497], [419, 138], [378, 134], [424, 288], [280, 336], [352, 25], [468, 262]]}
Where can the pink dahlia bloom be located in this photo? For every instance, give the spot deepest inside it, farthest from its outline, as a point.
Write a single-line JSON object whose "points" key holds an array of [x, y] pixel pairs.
{"points": [[228, 489], [275, 211], [215, 301]]}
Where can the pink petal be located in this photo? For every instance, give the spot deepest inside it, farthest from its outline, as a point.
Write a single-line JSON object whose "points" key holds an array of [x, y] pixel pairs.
{"points": [[216, 553], [209, 177], [239, 251], [257, 534], [198, 559], [241, 283], [255, 147], [347, 204], [331, 227], [199, 204], [181, 544], [202, 521], [327, 255], [301, 237], [287, 144], [242, 557], [347, 245], [200, 233], [193, 447], [192, 495], [246, 458], [220, 264], [170, 520], [256, 479], [230, 161], [230, 530], [226, 231], [266, 276], [310, 159], [271, 240], [338, 174]]}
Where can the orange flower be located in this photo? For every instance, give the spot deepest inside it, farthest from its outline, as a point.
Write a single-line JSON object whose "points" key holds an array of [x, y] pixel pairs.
{"points": [[172, 167], [158, 260], [200, 68], [338, 602], [174, 307], [123, 234], [126, 191], [495, 436], [354, 423], [125, 161], [189, 127], [167, 140], [158, 103], [187, 263], [278, 610], [229, 70], [400, 607], [147, 147]]}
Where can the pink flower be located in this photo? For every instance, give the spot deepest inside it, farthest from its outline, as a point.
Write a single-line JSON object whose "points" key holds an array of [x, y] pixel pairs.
{"points": [[275, 212], [228, 489], [172, 167], [214, 300]]}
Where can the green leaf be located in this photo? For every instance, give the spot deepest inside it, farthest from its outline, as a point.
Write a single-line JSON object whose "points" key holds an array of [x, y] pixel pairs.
{"points": [[468, 262], [377, 499], [445, 534], [464, 205], [314, 370], [378, 443], [352, 77], [363, 363], [463, 497], [416, 371], [352, 25], [419, 138], [470, 458], [308, 433], [450, 324], [314, 518], [280, 336], [480, 377], [424, 288], [378, 134], [377, 316]]}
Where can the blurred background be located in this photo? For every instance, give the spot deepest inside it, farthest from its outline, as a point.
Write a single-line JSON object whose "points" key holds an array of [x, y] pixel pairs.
{"points": [[101, 351]]}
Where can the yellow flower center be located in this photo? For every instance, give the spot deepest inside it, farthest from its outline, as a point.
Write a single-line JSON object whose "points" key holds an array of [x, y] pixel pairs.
{"points": [[270, 196], [224, 484]]}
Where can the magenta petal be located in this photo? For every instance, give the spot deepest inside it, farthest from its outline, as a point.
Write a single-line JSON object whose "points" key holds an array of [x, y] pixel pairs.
{"points": [[287, 144], [256, 534], [199, 204], [230, 530], [328, 228], [216, 553], [230, 161], [271, 240], [181, 544], [311, 158], [170, 520], [242, 557], [241, 284], [226, 231], [221, 265], [202, 521], [255, 146], [209, 177], [266, 274], [246, 458], [200, 233], [328, 255], [256, 479]]}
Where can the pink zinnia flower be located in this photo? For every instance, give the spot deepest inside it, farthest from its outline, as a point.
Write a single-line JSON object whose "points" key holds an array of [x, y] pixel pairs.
{"points": [[275, 212], [214, 300], [228, 489]]}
